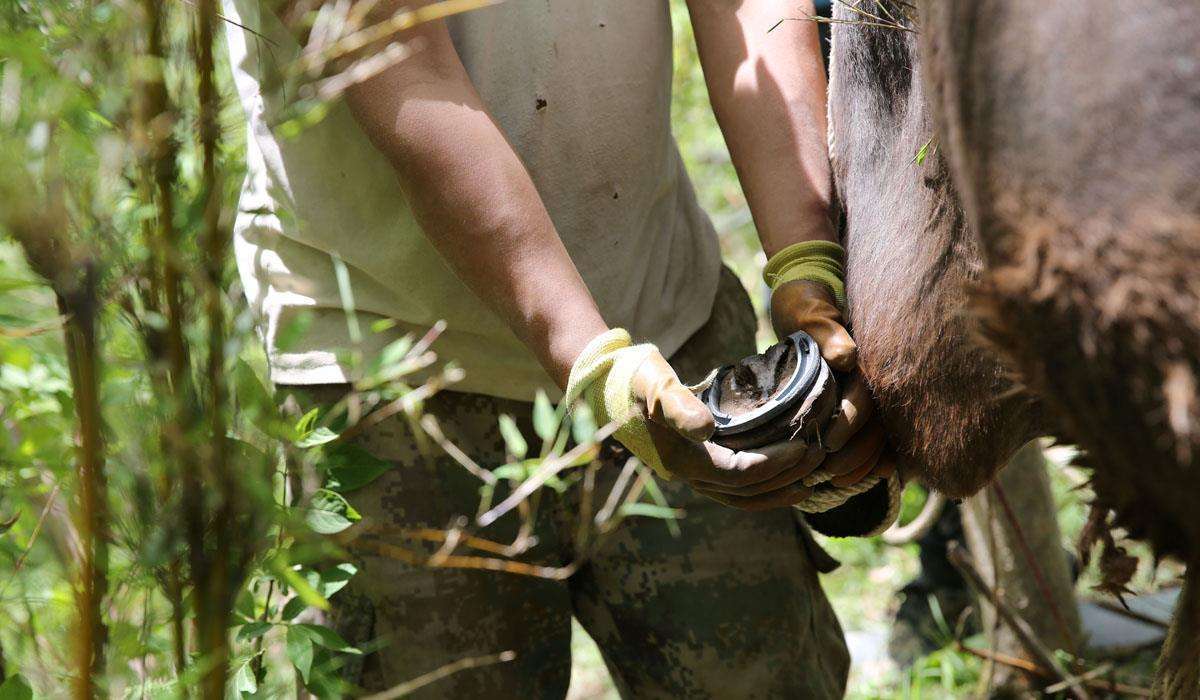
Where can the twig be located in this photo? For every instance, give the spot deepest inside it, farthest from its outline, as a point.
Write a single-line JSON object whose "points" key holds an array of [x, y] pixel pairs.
{"points": [[37, 529], [614, 496], [1030, 667], [962, 561], [827, 20], [1093, 674], [391, 551], [439, 536], [544, 474], [314, 58], [421, 681]]}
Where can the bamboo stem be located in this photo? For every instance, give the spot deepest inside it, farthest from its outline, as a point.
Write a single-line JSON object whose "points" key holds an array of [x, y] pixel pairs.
{"points": [[79, 306], [215, 581]]}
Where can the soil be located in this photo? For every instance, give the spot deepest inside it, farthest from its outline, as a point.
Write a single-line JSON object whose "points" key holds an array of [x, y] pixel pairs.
{"points": [[753, 381]]}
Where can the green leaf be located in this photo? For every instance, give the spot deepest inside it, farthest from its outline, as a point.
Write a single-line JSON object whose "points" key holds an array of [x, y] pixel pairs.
{"points": [[15, 688], [335, 579], [383, 324], [660, 500], [515, 471], [650, 510], [325, 637], [6, 525], [292, 608], [545, 421], [300, 650], [292, 578], [8, 284], [244, 681], [919, 159], [514, 441], [583, 424], [305, 424], [352, 467], [395, 351], [316, 437], [253, 630], [328, 513]]}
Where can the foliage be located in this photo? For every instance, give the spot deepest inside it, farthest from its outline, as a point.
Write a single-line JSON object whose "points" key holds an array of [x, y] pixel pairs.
{"points": [[154, 535], [180, 540]]}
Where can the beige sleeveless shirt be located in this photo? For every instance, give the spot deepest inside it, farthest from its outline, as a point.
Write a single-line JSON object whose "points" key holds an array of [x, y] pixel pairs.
{"points": [[581, 89]]}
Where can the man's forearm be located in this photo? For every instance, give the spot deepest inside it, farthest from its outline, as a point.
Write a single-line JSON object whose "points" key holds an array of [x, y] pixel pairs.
{"points": [[475, 201], [768, 93]]}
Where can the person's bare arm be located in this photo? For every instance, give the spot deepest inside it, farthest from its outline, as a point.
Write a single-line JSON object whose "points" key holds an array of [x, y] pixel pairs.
{"points": [[768, 92], [767, 88], [474, 199]]}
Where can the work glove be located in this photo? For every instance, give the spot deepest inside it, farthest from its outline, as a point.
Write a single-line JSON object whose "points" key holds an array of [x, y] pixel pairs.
{"points": [[808, 293], [667, 427]]}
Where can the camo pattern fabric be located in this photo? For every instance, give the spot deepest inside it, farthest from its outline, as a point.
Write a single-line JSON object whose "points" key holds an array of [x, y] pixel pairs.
{"points": [[727, 606]]}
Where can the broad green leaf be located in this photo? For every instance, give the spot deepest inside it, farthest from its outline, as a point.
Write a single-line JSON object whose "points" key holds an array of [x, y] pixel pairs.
{"points": [[244, 681], [514, 441], [6, 525], [300, 650], [326, 637], [305, 424], [351, 467], [15, 688], [545, 422], [328, 513], [292, 608], [318, 436], [333, 580], [253, 630]]}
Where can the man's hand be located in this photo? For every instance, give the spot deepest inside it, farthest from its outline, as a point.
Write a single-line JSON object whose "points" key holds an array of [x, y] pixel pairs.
{"points": [[854, 438], [667, 427]]}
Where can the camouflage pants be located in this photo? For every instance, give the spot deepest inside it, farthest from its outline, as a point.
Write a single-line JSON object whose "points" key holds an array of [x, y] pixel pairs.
{"points": [[729, 608]]}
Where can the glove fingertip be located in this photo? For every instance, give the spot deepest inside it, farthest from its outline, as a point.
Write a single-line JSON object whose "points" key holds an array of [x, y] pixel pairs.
{"points": [[686, 415], [840, 352]]}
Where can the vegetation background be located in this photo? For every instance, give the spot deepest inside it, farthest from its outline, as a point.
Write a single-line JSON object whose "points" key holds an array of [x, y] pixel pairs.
{"points": [[151, 527]]}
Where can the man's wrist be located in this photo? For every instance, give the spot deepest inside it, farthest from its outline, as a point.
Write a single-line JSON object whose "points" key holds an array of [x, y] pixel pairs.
{"points": [[814, 224]]}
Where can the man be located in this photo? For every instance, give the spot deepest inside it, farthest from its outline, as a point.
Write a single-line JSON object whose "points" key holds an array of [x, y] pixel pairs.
{"points": [[516, 176]]}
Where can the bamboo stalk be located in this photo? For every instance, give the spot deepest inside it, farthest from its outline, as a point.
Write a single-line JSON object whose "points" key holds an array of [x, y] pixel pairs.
{"points": [[79, 306], [214, 582]]}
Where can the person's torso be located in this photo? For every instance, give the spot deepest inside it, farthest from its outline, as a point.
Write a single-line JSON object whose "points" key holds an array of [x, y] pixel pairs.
{"points": [[582, 92]]}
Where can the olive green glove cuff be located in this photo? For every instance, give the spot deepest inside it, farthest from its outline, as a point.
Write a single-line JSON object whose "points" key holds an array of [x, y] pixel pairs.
{"points": [[814, 261], [603, 376]]}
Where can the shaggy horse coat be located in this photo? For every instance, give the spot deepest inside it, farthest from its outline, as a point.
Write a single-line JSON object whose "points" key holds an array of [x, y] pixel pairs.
{"points": [[1026, 174]]}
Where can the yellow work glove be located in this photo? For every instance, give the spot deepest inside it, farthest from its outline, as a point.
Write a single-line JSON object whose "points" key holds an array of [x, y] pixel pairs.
{"points": [[666, 426], [633, 384], [808, 293]]}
